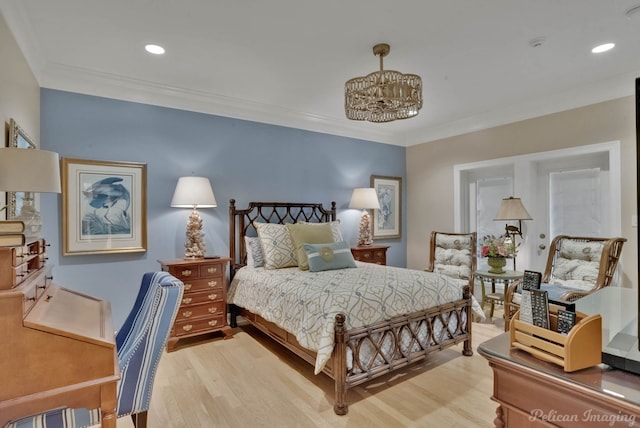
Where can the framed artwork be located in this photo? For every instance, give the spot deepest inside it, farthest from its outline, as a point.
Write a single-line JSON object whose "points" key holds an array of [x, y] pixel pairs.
{"points": [[104, 207], [387, 221], [16, 200]]}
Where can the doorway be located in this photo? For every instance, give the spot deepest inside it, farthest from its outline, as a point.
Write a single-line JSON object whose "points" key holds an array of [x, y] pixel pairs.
{"points": [[570, 191]]}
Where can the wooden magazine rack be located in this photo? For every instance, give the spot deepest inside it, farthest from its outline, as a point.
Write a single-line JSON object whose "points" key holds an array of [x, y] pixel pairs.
{"points": [[579, 349]]}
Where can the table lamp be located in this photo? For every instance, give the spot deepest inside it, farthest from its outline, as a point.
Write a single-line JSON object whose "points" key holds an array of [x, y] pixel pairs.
{"points": [[30, 171], [194, 193], [365, 199], [512, 209]]}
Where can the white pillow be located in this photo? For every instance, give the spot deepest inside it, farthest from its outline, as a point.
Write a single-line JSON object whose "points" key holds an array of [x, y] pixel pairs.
{"points": [[255, 257], [277, 247]]}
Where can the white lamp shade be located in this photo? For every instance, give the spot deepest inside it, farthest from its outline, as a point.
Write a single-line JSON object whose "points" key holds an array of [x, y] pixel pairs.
{"points": [[29, 170], [193, 192], [512, 209], [364, 198]]}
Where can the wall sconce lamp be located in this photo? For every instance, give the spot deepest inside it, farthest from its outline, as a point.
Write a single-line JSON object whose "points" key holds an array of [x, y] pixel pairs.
{"points": [[512, 209], [194, 193], [365, 199], [29, 171]]}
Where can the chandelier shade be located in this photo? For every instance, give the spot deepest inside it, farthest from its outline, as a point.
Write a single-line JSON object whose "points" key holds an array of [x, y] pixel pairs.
{"points": [[383, 96]]}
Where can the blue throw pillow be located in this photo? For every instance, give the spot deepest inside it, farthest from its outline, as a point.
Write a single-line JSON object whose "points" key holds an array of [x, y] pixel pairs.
{"points": [[336, 255]]}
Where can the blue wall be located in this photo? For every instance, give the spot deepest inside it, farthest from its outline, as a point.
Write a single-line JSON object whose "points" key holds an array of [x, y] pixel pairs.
{"points": [[247, 161]]}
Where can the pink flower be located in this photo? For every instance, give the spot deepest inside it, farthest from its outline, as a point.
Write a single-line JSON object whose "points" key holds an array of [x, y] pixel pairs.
{"points": [[501, 246]]}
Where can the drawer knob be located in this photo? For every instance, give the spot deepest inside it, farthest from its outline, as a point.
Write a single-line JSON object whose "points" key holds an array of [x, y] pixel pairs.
{"points": [[212, 270], [32, 299], [186, 314], [186, 300], [213, 310], [213, 322], [366, 255], [187, 286], [212, 284], [186, 272], [187, 327], [212, 296], [42, 286]]}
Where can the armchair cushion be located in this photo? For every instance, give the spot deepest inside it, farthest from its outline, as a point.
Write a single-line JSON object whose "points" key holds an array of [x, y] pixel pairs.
{"points": [[554, 292], [577, 264], [453, 256]]}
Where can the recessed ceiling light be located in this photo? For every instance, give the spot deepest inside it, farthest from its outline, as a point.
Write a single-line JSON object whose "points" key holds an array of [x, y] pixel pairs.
{"points": [[154, 49], [603, 48]]}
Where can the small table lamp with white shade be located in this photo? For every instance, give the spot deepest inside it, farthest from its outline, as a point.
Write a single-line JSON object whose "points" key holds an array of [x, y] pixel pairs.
{"points": [[194, 193], [365, 199], [29, 171]]}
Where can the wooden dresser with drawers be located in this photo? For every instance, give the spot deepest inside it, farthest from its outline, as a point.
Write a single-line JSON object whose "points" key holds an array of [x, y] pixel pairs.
{"points": [[204, 302]]}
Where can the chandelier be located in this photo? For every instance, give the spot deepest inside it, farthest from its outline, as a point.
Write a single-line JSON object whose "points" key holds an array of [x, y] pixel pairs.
{"points": [[383, 96]]}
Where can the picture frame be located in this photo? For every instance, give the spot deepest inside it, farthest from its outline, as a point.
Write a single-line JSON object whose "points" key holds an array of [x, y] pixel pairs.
{"points": [[387, 221], [104, 207], [15, 200]]}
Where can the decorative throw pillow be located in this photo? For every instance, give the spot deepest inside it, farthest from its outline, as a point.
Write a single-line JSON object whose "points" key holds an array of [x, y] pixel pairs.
{"points": [[308, 233], [255, 258], [336, 255], [335, 229], [276, 244]]}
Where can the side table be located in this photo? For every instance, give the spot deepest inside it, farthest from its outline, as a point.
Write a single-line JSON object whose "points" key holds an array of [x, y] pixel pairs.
{"points": [[507, 278], [371, 254]]}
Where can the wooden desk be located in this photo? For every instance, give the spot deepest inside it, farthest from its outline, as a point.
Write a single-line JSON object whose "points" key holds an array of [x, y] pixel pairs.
{"points": [[58, 346], [534, 393]]}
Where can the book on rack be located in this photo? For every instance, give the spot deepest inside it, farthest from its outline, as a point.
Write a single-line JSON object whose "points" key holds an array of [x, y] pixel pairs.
{"points": [[12, 240], [566, 321], [540, 308], [11, 227], [526, 314], [531, 280]]}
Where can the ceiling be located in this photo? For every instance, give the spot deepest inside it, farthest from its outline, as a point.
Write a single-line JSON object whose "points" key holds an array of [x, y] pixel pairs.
{"points": [[285, 61]]}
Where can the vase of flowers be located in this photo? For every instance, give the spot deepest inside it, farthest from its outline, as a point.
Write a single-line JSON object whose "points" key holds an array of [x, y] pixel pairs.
{"points": [[497, 250], [497, 264]]}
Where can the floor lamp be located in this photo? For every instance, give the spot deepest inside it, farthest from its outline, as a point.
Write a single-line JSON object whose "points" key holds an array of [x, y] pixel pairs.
{"points": [[512, 209]]}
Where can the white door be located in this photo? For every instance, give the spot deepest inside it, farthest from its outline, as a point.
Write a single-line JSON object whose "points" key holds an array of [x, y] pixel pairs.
{"points": [[574, 192], [573, 197]]}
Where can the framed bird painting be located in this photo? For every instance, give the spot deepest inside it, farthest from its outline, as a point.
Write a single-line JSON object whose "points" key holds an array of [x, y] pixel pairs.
{"points": [[104, 206]]}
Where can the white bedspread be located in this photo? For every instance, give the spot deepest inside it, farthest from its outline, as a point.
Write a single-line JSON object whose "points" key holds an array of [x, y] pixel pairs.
{"points": [[305, 303]]}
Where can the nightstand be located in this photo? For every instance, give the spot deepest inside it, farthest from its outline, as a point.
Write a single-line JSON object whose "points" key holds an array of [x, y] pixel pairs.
{"points": [[371, 254], [204, 302], [495, 297]]}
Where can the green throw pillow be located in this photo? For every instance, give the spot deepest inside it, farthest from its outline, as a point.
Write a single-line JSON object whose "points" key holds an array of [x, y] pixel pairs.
{"points": [[318, 233]]}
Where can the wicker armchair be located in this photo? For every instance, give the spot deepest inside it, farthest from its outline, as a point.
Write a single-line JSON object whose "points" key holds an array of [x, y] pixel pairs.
{"points": [[140, 344], [454, 255], [575, 268]]}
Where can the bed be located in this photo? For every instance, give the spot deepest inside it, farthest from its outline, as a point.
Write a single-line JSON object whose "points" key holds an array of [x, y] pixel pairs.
{"points": [[402, 314]]}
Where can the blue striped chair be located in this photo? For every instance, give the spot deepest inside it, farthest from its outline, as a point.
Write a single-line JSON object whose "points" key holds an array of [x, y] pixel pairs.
{"points": [[140, 343]]}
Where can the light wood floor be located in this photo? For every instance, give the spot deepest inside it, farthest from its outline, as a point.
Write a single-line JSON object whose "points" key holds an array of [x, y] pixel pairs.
{"points": [[249, 381]]}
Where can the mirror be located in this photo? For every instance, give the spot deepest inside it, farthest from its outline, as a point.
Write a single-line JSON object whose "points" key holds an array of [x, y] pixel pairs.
{"points": [[16, 200]]}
